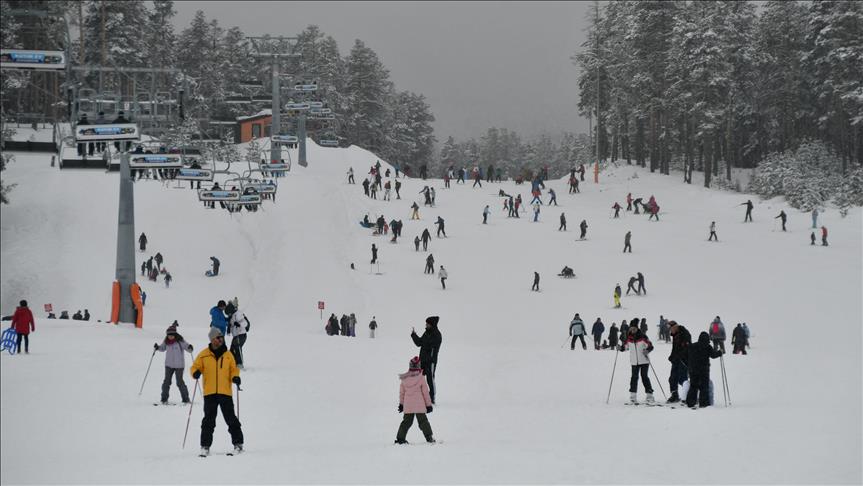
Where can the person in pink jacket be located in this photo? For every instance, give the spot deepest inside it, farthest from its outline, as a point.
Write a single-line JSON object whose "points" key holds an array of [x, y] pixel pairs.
{"points": [[414, 399]]}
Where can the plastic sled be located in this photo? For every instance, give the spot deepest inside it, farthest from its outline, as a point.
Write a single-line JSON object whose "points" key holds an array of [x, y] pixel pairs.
{"points": [[9, 341]]}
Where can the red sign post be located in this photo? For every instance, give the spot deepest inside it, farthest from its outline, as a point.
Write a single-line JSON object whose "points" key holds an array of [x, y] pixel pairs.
{"points": [[49, 308], [321, 308]]}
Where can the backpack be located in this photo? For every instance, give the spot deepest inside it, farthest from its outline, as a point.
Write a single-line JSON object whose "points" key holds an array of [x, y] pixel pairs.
{"points": [[715, 329]]}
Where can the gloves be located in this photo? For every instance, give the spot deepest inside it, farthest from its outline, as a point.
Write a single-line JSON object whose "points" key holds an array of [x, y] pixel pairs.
{"points": [[196, 374], [190, 348], [236, 380], [155, 346], [670, 360], [429, 409], [401, 408]]}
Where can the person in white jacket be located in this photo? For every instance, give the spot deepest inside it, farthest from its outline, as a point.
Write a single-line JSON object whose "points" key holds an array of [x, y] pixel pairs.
{"points": [[238, 326], [442, 275], [639, 347]]}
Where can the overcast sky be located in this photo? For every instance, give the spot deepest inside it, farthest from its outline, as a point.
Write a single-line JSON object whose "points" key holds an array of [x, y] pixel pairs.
{"points": [[479, 64]]}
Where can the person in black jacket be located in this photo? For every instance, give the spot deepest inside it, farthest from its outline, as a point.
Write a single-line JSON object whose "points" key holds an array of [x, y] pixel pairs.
{"points": [[738, 339], [612, 336], [597, 330], [680, 341], [700, 355], [429, 344]]}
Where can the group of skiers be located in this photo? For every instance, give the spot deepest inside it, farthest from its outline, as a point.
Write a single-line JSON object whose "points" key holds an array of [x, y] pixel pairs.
{"points": [[152, 267], [783, 217]]}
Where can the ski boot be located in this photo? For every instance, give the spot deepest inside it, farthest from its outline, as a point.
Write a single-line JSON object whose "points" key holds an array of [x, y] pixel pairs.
{"points": [[205, 451], [238, 448], [674, 398], [633, 398], [649, 399], [400, 441], [430, 440]]}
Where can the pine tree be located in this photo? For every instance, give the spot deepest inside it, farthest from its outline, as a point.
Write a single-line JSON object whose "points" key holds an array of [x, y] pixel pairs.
{"points": [[367, 89]]}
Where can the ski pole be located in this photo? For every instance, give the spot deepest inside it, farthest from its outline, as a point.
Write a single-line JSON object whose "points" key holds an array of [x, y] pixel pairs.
{"points": [[238, 401], [564, 342], [725, 379], [147, 373], [657, 380], [191, 405], [722, 372], [616, 352]]}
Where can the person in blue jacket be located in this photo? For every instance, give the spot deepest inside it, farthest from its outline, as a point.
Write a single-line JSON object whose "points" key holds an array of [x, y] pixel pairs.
{"points": [[217, 317]]}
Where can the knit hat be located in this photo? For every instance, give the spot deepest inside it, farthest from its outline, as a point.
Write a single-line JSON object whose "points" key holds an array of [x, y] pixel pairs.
{"points": [[23, 303], [214, 333], [414, 363], [171, 330], [433, 320]]}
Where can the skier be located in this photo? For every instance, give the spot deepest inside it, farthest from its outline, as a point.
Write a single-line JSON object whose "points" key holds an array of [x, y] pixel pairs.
{"points": [[749, 206], [216, 264], [144, 263], [86, 315], [713, 232], [415, 211], [553, 197], [159, 259], [562, 223], [616, 209], [398, 186], [332, 326], [217, 317], [219, 370], [351, 176], [374, 254], [663, 329], [641, 287], [636, 203], [238, 327], [366, 184], [477, 179], [738, 340], [142, 242], [417, 243], [414, 401], [442, 275], [812, 238], [440, 227], [535, 286], [814, 218], [174, 346], [617, 292], [679, 355], [612, 336], [643, 326], [168, 279], [627, 242], [717, 334], [629, 202], [699, 357], [485, 214], [426, 237], [581, 172], [783, 217], [597, 330], [535, 212], [583, 227], [654, 212], [387, 190], [824, 236], [577, 331], [24, 324], [631, 286], [352, 325], [639, 347], [372, 326], [429, 344], [429, 265]]}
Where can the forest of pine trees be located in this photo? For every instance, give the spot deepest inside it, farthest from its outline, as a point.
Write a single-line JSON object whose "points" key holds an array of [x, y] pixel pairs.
{"points": [[370, 111]]}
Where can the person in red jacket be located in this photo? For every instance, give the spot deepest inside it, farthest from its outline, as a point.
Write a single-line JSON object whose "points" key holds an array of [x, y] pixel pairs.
{"points": [[23, 323]]}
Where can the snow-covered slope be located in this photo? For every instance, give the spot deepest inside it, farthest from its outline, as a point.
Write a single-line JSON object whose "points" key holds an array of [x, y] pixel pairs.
{"points": [[515, 405]]}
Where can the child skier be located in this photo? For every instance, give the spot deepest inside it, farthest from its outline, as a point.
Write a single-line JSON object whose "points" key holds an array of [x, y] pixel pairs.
{"points": [[414, 400], [174, 346], [639, 347]]}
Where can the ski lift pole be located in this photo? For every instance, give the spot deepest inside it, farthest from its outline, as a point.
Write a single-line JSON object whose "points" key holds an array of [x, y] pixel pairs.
{"points": [[613, 369], [191, 405], [147, 373]]}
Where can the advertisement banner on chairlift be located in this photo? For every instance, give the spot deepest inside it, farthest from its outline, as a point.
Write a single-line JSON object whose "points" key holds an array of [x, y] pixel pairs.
{"points": [[285, 139], [22, 59], [248, 199], [263, 187], [155, 161], [275, 167], [218, 195], [100, 133], [186, 174]]}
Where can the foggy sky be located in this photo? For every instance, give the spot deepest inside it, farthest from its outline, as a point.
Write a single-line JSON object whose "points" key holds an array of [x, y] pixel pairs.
{"points": [[479, 64]]}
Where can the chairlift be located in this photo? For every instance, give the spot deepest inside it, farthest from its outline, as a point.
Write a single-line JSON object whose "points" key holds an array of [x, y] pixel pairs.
{"points": [[248, 200], [286, 139], [251, 84], [155, 161], [262, 98], [218, 195], [328, 141], [101, 133], [321, 116], [187, 174], [294, 106], [306, 87], [275, 167], [320, 111], [237, 100], [24, 59], [316, 104]]}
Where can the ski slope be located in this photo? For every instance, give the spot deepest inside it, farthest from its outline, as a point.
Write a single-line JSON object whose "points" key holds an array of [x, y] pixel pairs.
{"points": [[515, 405]]}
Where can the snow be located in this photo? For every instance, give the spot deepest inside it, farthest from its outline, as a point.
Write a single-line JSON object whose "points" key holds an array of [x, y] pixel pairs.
{"points": [[23, 133], [515, 404]]}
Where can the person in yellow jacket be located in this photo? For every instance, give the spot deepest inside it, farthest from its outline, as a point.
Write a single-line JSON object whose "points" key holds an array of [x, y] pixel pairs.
{"points": [[216, 364]]}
